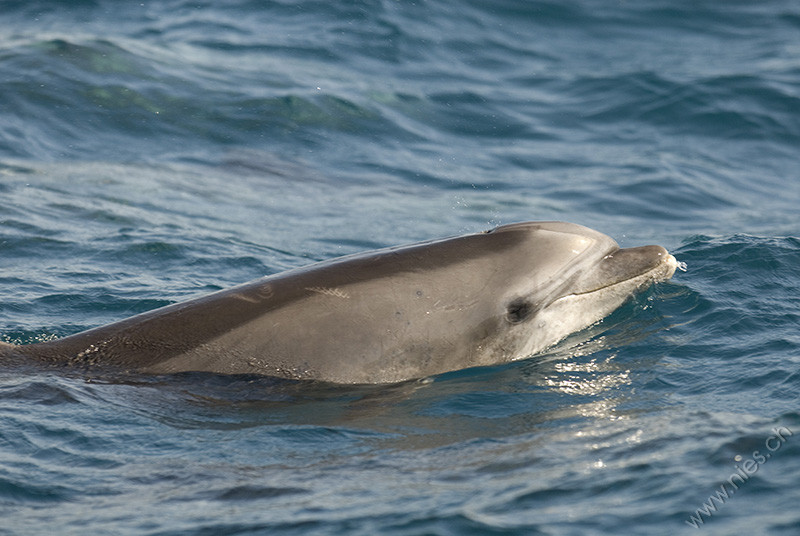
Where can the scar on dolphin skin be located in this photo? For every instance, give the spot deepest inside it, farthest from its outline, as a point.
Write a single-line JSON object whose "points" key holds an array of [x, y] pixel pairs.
{"points": [[335, 292]]}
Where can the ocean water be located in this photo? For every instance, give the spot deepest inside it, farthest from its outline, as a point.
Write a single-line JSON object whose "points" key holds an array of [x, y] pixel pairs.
{"points": [[155, 151]]}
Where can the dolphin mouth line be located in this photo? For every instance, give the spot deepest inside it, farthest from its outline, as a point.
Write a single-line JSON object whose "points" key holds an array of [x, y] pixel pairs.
{"points": [[661, 272]]}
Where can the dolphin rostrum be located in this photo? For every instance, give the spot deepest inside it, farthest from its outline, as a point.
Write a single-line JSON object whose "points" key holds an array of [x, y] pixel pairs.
{"points": [[383, 316]]}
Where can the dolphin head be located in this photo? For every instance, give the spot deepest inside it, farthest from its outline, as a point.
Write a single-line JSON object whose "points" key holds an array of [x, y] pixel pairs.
{"points": [[578, 277]]}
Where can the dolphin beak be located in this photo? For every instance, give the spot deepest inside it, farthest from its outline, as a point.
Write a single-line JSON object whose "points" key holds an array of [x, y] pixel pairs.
{"points": [[632, 262], [641, 266]]}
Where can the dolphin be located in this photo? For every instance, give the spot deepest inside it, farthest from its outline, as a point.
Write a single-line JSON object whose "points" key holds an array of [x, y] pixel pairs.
{"points": [[383, 316]]}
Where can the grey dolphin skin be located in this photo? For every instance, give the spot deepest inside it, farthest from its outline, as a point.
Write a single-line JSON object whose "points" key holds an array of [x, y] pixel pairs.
{"points": [[383, 316]]}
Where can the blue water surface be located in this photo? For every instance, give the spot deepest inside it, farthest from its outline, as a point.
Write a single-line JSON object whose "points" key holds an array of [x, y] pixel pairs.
{"points": [[155, 151]]}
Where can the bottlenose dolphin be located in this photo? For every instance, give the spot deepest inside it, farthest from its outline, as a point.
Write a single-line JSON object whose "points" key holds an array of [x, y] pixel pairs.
{"points": [[383, 316]]}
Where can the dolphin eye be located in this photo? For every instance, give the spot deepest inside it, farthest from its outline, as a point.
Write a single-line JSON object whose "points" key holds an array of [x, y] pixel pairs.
{"points": [[518, 310]]}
